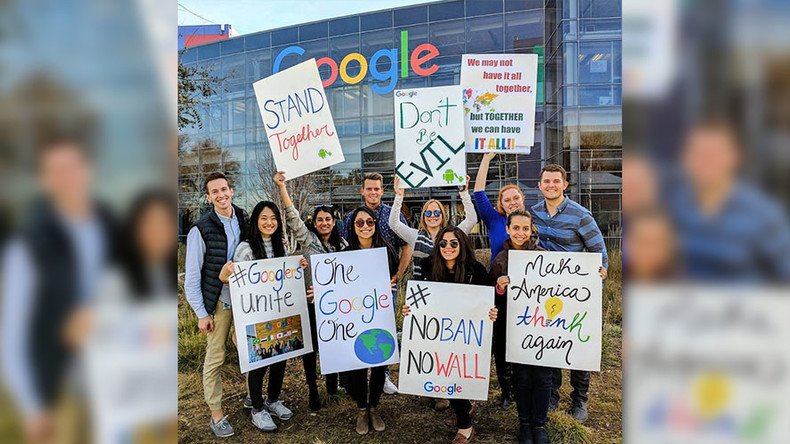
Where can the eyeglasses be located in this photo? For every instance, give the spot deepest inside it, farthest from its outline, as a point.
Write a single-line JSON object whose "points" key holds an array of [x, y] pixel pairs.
{"points": [[361, 223], [453, 243], [436, 213]]}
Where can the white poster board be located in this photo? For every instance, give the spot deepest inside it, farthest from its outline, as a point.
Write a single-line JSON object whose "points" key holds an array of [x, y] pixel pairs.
{"points": [[554, 309], [429, 137], [499, 93], [297, 119], [354, 310], [446, 349], [269, 311]]}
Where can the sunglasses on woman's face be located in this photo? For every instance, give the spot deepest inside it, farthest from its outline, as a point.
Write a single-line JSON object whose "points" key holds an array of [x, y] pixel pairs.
{"points": [[435, 213], [453, 243], [361, 223]]}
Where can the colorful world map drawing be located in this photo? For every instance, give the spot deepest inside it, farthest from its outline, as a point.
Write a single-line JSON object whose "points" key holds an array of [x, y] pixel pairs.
{"points": [[479, 100]]}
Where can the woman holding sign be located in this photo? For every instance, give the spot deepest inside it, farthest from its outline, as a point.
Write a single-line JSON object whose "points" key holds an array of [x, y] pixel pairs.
{"points": [[265, 240], [454, 261], [432, 219], [368, 393], [533, 383], [322, 236], [510, 199]]}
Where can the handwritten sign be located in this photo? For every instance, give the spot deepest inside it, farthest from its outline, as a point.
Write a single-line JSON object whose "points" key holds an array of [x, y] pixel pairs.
{"points": [[447, 341], [429, 137], [354, 312], [499, 101], [269, 311], [554, 309], [298, 121]]}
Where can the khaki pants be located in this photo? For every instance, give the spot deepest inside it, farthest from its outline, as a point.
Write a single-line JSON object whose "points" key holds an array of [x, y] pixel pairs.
{"points": [[215, 356]]}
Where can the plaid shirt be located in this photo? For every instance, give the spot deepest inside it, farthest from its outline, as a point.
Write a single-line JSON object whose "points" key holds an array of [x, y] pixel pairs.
{"points": [[382, 213], [572, 229]]}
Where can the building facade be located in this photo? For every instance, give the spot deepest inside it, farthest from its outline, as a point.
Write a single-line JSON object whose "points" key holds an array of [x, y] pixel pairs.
{"points": [[578, 121], [194, 35]]}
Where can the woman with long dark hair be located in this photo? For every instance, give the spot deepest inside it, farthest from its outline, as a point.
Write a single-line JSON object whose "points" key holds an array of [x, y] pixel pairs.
{"points": [[367, 393], [533, 382], [453, 260], [265, 240], [322, 236]]}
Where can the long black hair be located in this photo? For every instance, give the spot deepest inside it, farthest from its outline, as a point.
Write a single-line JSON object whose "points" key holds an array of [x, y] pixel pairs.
{"points": [[463, 263], [378, 239], [334, 236], [132, 263], [254, 237]]}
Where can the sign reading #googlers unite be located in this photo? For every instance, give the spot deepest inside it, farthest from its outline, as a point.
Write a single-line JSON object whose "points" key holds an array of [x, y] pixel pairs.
{"points": [[499, 94], [446, 350], [554, 309], [429, 137], [269, 311], [355, 315], [298, 121]]}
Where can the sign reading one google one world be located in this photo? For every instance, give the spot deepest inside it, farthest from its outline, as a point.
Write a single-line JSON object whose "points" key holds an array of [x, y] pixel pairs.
{"points": [[298, 121], [429, 137], [499, 101], [554, 309], [269, 311], [398, 60], [355, 314], [447, 340]]}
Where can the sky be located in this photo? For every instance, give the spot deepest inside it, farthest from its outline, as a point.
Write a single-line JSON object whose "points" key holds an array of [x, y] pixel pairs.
{"points": [[249, 16]]}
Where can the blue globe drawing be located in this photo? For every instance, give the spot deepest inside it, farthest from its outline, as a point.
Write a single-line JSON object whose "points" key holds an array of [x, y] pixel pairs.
{"points": [[374, 346]]}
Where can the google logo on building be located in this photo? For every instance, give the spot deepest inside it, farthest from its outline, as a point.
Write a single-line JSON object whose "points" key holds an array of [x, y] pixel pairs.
{"points": [[420, 56]]}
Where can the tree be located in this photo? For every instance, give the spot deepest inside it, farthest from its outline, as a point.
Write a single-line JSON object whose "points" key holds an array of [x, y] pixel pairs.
{"points": [[195, 85]]}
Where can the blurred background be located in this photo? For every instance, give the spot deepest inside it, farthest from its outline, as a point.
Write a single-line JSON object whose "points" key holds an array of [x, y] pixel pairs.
{"points": [[705, 215], [87, 221]]}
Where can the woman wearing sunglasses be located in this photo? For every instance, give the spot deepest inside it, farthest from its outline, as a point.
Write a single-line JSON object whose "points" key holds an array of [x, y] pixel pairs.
{"points": [[454, 261], [322, 236], [533, 383], [366, 392], [432, 219]]}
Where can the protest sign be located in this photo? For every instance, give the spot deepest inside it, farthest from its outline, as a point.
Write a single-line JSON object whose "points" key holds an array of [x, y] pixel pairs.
{"points": [[355, 314], [499, 93], [446, 349], [298, 121], [554, 309], [429, 137], [269, 311]]}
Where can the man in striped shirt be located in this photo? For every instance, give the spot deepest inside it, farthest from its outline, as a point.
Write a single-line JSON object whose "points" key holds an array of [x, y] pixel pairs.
{"points": [[564, 225]]}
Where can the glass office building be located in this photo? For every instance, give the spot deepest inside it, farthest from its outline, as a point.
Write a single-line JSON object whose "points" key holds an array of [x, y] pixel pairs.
{"points": [[578, 121]]}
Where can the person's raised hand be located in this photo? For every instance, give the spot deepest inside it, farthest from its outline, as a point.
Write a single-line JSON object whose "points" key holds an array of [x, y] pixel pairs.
{"points": [[279, 179], [398, 188]]}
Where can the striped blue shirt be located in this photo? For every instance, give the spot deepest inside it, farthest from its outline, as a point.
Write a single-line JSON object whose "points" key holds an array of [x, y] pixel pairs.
{"points": [[572, 229]]}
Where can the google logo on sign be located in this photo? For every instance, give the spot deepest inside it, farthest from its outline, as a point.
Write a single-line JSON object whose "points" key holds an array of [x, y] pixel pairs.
{"points": [[421, 55]]}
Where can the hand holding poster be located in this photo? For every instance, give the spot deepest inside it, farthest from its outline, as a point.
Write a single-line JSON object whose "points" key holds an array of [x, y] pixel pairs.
{"points": [[446, 350], [269, 311], [354, 310], [499, 93], [298, 121], [554, 309], [429, 137]]}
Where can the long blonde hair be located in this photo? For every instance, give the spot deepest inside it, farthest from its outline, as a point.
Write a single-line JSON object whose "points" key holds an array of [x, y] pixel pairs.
{"points": [[443, 224], [499, 208]]}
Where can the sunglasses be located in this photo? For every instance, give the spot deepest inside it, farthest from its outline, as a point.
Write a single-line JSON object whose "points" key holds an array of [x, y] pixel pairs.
{"points": [[453, 243], [361, 223], [435, 213]]}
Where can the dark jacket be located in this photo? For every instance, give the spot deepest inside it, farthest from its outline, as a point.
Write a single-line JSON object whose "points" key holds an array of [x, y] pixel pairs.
{"points": [[477, 275], [213, 233], [56, 295], [499, 265]]}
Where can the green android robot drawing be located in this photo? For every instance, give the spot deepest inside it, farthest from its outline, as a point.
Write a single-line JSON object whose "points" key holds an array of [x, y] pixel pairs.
{"points": [[449, 176], [322, 153]]}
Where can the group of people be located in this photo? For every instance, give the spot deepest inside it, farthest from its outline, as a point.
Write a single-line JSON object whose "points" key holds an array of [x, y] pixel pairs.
{"points": [[439, 251], [261, 352]]}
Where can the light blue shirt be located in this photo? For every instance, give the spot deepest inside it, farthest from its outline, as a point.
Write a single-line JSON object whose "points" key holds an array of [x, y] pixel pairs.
{"points": [[196, 249]]}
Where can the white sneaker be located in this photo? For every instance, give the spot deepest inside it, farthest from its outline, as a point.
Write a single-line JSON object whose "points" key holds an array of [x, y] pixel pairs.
{"points": [[389, 387], [263, 420], [279, 410]]}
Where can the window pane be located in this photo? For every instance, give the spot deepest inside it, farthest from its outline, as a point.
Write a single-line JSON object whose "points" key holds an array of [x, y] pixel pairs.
{"points": [[232, 46], [256, 41], [409, 16], [600, 8], [348, 25], [284, 36], [376, 21], [313, 31], [446, 10], [523, 30], [448, 37], [485, 34], [595, 62]]}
